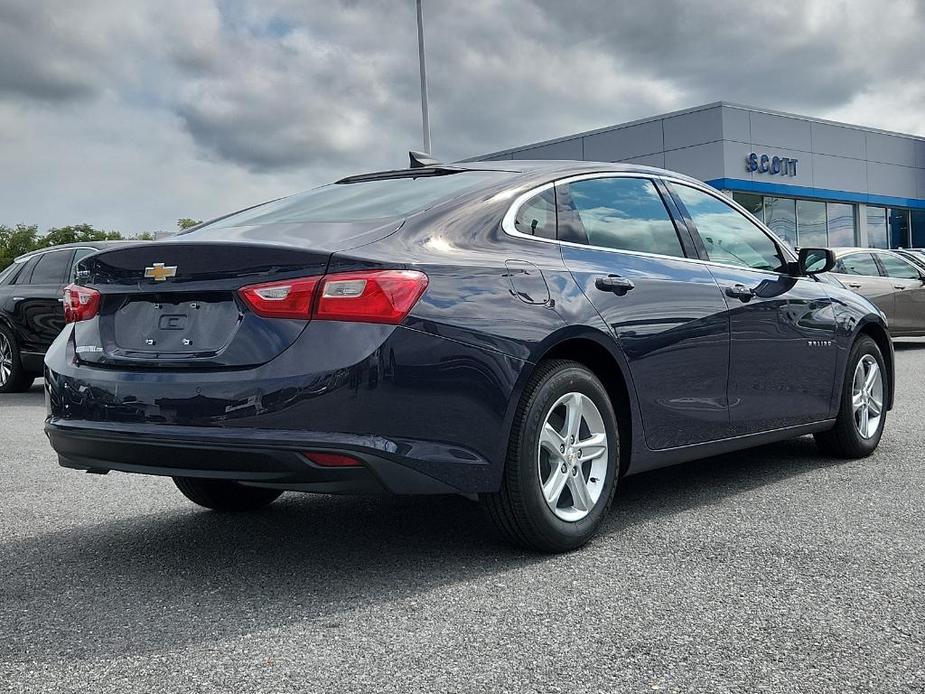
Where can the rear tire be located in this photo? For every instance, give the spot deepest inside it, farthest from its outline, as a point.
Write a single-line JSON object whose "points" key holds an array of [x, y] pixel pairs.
{"points": [[13, 378], [225, 495], [845, 439], [555, 492]]}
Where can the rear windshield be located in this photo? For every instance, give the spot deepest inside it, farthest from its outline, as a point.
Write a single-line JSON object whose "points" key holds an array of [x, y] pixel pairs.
{"points": [[368, 200]]}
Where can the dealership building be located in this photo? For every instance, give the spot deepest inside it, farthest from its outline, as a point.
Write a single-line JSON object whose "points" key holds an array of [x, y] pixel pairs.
{"points": [[814, 182]]}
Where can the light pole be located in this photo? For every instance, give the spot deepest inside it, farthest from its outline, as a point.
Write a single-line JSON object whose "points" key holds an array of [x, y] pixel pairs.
{"points": [[424, 116]]}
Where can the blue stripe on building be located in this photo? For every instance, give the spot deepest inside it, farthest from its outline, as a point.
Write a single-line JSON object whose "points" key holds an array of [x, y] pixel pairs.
{"points": [[828, 194]]}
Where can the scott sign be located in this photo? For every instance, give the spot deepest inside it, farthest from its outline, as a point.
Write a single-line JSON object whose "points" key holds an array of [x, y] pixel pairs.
{"points": [[778, 166]]}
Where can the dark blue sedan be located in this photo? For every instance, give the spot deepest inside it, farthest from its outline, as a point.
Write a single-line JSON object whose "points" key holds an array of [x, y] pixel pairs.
{"points": [[523, 332]]}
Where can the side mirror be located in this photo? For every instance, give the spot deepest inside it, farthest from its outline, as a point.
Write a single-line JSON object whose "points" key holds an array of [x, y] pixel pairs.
{"points": [[814, 261]]}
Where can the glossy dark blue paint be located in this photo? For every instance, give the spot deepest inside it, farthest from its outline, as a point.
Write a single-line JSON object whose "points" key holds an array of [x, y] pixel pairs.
{"points": [[782, 355], [427, 406], [672, 328]]}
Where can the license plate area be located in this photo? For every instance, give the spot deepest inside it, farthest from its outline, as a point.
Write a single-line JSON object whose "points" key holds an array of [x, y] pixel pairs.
{"points": [[171, 324]]}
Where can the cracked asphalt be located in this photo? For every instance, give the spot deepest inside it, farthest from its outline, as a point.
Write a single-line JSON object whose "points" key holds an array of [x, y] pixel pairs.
{"points": [[770, 570]]}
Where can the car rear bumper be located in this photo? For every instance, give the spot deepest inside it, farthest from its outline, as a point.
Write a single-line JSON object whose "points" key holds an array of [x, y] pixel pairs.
{"points": [[250, 456], [422, 413]]}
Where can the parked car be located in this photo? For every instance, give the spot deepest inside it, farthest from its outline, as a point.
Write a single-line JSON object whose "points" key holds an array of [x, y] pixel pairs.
{"points": [[894, 282], [523, 332], [31, 315]]}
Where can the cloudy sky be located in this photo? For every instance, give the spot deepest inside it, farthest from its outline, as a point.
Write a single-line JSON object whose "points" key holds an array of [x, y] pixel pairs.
{"points": [[130, 114]]}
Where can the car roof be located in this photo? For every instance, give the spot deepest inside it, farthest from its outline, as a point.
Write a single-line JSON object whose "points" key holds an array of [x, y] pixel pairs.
{"points": [[844, 250], [95, 245], [554, 168]]}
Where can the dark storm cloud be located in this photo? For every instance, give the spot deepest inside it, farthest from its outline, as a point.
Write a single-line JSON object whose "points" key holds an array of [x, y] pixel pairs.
{"points": [[784, 53], [257, 95], [31, 65], [340, 84]]}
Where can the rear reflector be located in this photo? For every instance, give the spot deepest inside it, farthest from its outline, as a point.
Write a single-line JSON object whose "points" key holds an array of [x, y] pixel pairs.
{"points": [[332, 460], [369, 296], [80, 303]]}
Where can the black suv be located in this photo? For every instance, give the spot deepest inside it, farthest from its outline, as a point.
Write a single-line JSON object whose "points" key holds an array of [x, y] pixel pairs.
{"points": [[31, 314]]}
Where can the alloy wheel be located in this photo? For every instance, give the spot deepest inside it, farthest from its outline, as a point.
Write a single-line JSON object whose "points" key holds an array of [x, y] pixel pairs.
{"points": [[6, 359], [867, 396], [572, 456]]}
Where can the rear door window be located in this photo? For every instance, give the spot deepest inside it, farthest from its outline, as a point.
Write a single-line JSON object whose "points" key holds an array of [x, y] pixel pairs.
{"points": [[898, 268], [857, 264], [623, 213]]}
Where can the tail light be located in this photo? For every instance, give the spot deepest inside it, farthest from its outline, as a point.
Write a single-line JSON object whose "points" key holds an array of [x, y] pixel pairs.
{"points": [[80, 303], [289, 299], [370, 296], [380, 296]]}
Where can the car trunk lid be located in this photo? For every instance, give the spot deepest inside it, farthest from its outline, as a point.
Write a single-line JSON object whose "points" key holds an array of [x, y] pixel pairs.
{"points": [[175, 304]]}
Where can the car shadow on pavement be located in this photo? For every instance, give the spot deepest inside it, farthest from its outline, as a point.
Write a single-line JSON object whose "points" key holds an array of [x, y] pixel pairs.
{"points": [[156, 582], [908, 344]]}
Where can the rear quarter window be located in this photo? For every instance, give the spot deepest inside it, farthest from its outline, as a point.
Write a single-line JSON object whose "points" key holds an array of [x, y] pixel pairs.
{"points": [[52, 267], [537, 216], [7, 273]]}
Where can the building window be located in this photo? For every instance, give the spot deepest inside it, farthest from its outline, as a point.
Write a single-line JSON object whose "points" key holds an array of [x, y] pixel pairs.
{"points": [[918, 229], [811, 223], [899, 227], [751, 202], [780, 215], [840, 218], [877, 234]]}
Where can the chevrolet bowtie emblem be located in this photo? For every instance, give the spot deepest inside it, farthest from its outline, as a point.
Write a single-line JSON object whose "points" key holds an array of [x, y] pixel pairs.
{"points": [[160, 272]]}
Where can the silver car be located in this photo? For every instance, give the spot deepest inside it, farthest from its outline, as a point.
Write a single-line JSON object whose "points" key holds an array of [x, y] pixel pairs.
{"points": [[895, 283]]}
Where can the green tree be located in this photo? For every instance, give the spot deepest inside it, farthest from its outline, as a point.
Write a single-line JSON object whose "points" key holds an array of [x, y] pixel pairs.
{"points": [[185, 223], [77, 233], [14, 241]]}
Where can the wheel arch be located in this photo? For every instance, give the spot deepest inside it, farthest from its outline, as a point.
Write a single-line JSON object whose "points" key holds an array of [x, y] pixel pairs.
{"points": [[600, 354], [879, 334]]}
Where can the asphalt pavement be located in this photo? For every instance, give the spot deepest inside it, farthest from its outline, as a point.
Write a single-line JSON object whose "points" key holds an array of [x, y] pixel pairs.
{"points": [[770, 570]]}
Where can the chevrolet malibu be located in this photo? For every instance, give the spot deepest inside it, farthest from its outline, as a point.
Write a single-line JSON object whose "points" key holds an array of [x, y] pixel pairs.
{"points": [[523, 333]]}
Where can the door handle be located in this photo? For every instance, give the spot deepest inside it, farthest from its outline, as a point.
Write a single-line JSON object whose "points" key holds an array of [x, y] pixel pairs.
{"points": [[740, 292], [900, 287], [613, 283], [854, 285]]}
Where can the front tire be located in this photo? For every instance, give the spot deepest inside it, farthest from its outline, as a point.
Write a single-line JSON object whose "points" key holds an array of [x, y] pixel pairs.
{"points": [[13, 378], [862, 414], [563, 461], [225, 495]]}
